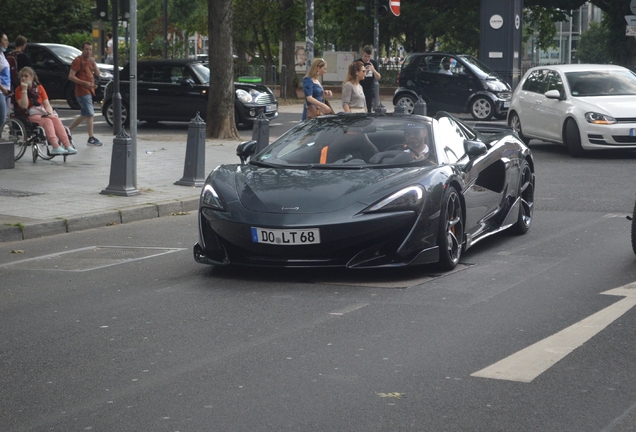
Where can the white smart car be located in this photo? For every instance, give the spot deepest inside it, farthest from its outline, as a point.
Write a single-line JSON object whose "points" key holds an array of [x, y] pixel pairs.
{"points": [[583, 106]]}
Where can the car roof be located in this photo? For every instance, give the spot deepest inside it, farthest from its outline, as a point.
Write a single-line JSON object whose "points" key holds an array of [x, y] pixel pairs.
{"points": [[579, 67], [175, 62]]}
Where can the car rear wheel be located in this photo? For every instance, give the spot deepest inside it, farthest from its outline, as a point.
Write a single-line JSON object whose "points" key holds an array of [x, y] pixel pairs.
{"points": [[481, 108], [408, 101], [526, 200], [515, 124], [634, 230], [572, 139], [109, 112], [71, 100], [451, 233]]}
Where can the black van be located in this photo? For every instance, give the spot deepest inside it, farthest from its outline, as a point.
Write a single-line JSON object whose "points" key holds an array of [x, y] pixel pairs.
{"points": [[456, 83]]}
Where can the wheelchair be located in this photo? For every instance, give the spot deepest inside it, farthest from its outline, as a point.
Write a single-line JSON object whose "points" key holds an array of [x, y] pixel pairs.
{"points": [[23, 133]]}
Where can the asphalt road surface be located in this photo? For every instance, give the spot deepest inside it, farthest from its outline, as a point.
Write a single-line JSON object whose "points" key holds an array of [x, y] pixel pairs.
{"points": [[118, 329]]}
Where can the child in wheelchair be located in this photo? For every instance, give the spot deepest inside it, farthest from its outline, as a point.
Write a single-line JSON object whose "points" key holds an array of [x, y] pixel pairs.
{"points": [[32, 103]]}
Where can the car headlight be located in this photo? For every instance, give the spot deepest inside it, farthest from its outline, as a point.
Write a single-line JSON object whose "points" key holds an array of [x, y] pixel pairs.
{"points": [[209, 198], [410, 198], [597, 118], [243, 96]]}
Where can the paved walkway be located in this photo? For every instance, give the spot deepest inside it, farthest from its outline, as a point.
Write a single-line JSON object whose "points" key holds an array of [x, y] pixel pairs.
{"points": [[53, 197]]}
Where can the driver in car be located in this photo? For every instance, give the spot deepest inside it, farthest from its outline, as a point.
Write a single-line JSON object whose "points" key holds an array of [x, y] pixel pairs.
{"points": [[415, 141]]}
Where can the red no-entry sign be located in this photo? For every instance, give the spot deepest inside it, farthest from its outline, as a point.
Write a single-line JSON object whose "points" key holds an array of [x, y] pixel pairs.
{"points": [[395, 7]]}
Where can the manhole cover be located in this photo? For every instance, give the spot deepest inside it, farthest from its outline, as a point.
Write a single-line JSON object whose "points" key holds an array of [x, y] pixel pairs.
{"points": [[90, 258]]}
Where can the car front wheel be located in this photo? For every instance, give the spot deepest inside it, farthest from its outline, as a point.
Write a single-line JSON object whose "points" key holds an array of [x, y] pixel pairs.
{"points": [[451, 230], [109, 113], [572, 139], [408, 102], [482, 108]]}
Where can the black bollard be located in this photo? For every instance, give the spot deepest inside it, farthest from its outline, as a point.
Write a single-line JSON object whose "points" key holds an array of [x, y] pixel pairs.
{"points": [[380, 109], [194, 167], [260, 132], [420, 106], [400, 109], [121, 167]]}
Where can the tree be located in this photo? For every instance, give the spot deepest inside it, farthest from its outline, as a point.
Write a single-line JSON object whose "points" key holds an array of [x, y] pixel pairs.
{"points": [[220, 116], [45, 20], [593, 45]]}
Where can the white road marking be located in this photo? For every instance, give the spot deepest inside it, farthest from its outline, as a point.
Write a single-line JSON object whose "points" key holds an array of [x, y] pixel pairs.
{"points": [[348, 309], [529, 363]]}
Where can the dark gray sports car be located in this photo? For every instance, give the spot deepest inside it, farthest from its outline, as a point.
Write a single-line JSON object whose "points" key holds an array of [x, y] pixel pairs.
{"points": [[366, 190]]}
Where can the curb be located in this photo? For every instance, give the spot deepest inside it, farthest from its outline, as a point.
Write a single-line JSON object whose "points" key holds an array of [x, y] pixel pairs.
{"points": [[31, 230]]}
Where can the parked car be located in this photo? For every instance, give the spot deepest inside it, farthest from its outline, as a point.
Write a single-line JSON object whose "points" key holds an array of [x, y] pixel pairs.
{"points": [[582, 106], [347, 190], [175, 90], [52, 63], [466, 86]]}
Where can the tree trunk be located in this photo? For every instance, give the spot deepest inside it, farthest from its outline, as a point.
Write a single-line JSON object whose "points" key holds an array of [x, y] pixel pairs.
{"points": [[220, 116], [289, 46]]}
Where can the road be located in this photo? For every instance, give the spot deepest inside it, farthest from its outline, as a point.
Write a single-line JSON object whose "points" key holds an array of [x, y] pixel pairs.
{"points": [[118, 328]]}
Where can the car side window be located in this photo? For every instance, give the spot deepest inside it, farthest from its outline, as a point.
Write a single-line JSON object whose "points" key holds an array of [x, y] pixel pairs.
{"points": [[145, 74], [162, 74], [449, 139], [535, 81], [554, 82], [38, 56]]}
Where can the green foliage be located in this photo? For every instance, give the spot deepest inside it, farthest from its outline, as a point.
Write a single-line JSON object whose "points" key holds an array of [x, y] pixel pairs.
{"points": [[593, 45], [75, 39], [45, 20]]}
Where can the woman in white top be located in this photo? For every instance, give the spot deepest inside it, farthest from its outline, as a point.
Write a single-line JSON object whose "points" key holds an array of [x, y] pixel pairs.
{"points": [[353, 100]]}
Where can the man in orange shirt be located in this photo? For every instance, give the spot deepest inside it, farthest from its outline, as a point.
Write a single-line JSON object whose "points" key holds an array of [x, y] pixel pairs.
{"points": [[83, 73]]}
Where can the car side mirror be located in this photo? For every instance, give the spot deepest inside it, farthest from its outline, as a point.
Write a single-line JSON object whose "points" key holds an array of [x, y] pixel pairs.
{"points": [[475, 148], [553, 94], [50, 63], [188, 82], [245, 150]]}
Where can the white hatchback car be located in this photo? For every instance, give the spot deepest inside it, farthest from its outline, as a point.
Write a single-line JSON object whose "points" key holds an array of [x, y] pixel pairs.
{"points": [[583, 106]]}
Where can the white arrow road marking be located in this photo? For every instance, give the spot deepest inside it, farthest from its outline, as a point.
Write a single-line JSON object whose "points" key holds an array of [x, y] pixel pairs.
{"points": [[529, 363]]}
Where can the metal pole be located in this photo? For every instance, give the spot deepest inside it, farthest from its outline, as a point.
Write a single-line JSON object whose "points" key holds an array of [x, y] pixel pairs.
{"points": [[132, 109], [376, 30], [116, 93], [165, 29], [309, 32]]}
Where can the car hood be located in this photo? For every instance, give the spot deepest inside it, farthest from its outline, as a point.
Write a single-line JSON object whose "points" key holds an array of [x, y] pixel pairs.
{"points": [[274, 190], [247, 87], [616, 106]]}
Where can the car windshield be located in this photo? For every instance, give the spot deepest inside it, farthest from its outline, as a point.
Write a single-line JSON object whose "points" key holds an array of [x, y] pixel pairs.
{"points": [[66, 53], [480, 69], [602, 83], [202, 72], [353, 141]]}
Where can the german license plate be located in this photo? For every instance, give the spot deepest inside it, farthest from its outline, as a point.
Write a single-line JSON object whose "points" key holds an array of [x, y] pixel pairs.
{"points": [[270, 108], [506, 104], [286, 237]]}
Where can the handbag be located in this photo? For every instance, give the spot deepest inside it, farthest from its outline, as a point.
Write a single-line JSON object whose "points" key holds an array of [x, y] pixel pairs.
{"points": [[38, 110]]}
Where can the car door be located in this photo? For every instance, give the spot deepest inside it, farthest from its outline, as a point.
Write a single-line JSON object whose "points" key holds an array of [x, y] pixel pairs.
{"points": [[529, 102], [428, 82], [173, 93], [551, 112], [457, 86], [144, 96], [484, 176], [51, 72]]}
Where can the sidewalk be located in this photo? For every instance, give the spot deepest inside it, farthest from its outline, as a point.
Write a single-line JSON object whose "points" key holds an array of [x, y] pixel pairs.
{"points": [[53, 197]]}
